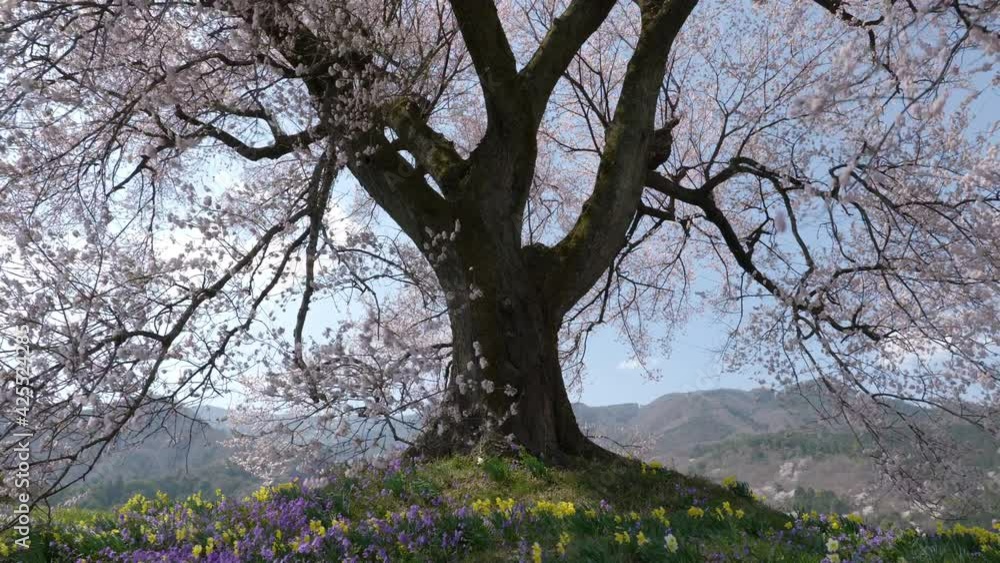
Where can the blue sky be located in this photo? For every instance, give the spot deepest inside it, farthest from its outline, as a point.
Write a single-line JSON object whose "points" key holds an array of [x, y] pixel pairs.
{"points": [[692, 365]]}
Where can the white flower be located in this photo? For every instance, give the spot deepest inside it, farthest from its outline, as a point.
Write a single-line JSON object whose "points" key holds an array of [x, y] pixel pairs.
{"points": [[475, 292], [833, 557], [487, 385], [832, 545], [509, 390], [479, 460], [671, 542]]}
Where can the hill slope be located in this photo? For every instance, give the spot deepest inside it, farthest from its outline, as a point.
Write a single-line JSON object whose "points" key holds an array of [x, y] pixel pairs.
{"points": [[498, 509], [770, 439]]}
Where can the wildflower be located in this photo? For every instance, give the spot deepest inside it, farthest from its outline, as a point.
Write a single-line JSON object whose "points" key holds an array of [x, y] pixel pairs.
{"points": [[855, 517], [739, 513], [262, 494], [479, 460], [196, 551], [788, 525], [563, 542], [536, 553], [661, 515], [481, 506], [832, 545], [671, 543], [622, 537], [729, 482], [557, 509], [505, 506], [590, 513], [652, 466], [833, 558], [641, 539], [695, 512]]}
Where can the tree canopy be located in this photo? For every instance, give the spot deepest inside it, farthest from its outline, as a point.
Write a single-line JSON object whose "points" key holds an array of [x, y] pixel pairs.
{"points": [[373, 218]]}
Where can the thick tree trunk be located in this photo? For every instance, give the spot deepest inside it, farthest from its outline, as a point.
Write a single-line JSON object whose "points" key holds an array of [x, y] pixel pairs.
{"points": [[506, 381]]}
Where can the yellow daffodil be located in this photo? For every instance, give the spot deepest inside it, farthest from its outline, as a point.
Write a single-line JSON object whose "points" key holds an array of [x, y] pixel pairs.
{"points": [[482, 507], [563, 542], [557, 509], [505, 506], [661, 515]]}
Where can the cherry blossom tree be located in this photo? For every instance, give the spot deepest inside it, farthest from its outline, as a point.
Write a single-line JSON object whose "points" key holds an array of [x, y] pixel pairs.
{"points": [[401, 220]]}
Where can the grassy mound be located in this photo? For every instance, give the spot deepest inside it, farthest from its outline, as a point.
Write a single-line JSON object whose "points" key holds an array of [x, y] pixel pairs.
{"points": [[489, 510]]}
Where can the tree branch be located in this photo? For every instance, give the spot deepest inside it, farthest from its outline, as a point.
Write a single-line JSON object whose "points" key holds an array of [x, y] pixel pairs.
{"points": [[399, 189], [283, 144], [491, 55], [600, 231], [568, 33], [433, 151]]}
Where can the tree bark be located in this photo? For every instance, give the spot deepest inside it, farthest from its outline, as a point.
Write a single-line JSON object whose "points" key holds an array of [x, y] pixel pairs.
{"points": [[506, 381]]}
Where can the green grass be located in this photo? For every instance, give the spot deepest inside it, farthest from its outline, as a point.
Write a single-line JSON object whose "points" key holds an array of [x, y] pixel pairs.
{"points": [[578, 514]]}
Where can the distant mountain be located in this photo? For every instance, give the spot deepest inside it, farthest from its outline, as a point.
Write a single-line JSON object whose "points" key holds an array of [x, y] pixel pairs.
{"points": [[769, 439], [179, 460], [678, 422]]}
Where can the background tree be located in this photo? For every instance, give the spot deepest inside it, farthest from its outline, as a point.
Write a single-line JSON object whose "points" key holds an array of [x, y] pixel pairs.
{"points": [[178, 186]]}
